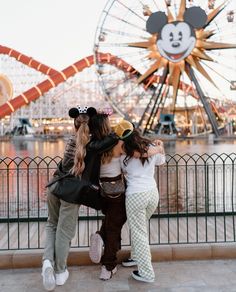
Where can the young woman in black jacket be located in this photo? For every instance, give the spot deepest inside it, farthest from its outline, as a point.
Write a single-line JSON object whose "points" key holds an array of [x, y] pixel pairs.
{"points": [[83, 151]]}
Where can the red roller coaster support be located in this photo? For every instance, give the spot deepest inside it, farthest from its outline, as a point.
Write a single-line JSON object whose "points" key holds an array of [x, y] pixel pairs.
{"points": [[57, 77]]}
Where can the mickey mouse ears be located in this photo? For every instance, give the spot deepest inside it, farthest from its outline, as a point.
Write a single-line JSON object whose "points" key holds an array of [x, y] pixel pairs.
{"points": [[122, 127], [195, 16], [156, 21], [74, 112]]}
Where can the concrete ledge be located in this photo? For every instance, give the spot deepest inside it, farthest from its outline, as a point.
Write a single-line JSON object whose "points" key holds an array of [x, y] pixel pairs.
{"points": [[191, 252], [6, 259], [162, 253], [228, 252], [25, 259], [80, 256]]}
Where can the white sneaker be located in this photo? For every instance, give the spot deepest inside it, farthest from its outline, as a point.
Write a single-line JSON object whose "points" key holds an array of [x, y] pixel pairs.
{"points": [[96, 248], [49, 282], [105, 274], [61, 278]]}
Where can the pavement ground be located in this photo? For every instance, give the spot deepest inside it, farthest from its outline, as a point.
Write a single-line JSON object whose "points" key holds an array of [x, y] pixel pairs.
{"points": [[171, 276]]}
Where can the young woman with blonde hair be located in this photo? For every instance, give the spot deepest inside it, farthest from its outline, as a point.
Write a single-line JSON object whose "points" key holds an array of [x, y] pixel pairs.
{"points": [[81, 151]]}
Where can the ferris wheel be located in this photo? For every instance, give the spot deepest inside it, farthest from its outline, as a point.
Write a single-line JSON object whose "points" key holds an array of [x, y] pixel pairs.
{"points": [[170, 55]]}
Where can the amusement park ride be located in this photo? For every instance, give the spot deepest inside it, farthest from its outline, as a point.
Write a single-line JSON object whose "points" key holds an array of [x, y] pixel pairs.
{"points": [[154, 59]]}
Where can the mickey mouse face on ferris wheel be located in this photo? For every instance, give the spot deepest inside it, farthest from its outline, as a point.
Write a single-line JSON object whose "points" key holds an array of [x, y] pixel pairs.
{"points": [[177, 39]]}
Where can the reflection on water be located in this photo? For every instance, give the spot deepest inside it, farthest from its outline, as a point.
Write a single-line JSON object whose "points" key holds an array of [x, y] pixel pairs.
{"points": [[192, 185], [33, 148], [200, 146], [189, 185]]}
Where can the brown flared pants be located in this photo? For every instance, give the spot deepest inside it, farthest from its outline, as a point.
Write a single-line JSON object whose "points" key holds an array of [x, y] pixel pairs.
{"points": [[110, 231]]}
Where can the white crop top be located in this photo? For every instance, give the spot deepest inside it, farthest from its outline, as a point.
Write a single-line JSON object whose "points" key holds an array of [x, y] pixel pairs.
{"points": [[111, 169]]}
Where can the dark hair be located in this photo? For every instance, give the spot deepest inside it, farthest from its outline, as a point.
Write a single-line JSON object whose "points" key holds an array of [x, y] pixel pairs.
{"points": [[99, 126], [136, 142]]}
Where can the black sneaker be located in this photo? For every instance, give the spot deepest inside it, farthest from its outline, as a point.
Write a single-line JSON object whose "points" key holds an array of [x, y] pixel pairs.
{"points": [[129, 263], [136, 276]]}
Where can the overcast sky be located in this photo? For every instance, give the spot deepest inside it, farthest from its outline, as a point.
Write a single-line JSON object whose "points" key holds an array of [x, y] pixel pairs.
{"points": [[57, 33]]}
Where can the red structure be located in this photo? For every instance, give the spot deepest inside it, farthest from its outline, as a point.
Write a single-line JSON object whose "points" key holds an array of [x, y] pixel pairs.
{"points": [[56, 77]]}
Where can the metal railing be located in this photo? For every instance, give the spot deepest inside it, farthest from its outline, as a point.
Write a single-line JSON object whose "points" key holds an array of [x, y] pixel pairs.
{"points": [[197, 202]]}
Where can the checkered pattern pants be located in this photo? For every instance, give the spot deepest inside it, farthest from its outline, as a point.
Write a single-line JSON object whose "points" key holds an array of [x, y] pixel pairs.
{"points": [[139, 209]]}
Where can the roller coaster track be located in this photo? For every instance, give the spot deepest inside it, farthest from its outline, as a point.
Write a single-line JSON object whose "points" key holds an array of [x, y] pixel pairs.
{"points": [[29, 61], [55, 77]]}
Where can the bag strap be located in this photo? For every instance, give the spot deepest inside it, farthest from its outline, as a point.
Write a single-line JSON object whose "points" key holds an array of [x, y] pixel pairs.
{"points": [[111, 179], [55, 179], [58, 176]]}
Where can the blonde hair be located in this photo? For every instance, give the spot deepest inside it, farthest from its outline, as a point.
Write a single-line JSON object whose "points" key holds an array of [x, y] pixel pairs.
{"points": [[82, 139]]}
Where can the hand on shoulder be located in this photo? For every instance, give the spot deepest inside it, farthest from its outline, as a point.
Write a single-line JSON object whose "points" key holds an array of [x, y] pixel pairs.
{"points": [[156, 148]]}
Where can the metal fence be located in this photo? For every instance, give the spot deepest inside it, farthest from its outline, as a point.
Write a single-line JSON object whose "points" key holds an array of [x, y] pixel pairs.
{"points": [[197, 202]]}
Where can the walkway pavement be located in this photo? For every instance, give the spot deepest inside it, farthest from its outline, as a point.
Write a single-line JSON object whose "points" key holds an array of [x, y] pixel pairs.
{"points": [[174, 276]]}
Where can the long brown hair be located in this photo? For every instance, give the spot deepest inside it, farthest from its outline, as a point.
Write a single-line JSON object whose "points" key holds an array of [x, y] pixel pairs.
{"points": [[135, 142], [100, 127], [82, 139]]}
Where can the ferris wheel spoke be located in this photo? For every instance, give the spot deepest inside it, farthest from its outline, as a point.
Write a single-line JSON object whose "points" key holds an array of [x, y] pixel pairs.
{"points": [[127, 22], [155, 4], [214, 13], [216, 72], [220, 57], [156, 98], [132, 11], [161, 100], [136, 53], [122, 33], [115, 45]]}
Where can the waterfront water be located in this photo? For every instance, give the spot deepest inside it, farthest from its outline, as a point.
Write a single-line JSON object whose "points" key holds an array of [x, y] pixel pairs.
{"points": [[196, 185], [42, 148]]}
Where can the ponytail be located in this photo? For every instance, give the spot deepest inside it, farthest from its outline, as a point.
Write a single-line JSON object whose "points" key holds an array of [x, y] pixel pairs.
{"points": [[82, 139]]}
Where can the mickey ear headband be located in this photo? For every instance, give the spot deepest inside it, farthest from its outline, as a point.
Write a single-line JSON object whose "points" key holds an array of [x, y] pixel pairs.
{"points": [[74, 112], [122, 127]]}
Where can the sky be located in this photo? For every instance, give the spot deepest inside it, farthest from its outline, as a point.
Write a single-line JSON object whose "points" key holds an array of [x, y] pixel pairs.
{"points": [[56, 33]]}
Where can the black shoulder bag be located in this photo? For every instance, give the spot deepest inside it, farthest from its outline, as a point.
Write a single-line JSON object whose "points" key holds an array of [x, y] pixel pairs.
{"points": [[75, 190]]}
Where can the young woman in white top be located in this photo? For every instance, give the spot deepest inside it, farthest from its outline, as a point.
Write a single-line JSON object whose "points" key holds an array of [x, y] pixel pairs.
{"points": [[142, 196]]}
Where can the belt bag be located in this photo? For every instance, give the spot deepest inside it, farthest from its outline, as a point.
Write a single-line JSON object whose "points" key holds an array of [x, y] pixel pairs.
{"points": [[76, 190], [112, 187]]}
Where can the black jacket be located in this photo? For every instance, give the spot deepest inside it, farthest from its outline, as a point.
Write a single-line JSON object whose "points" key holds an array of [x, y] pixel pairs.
{"points": [[92, 160]]}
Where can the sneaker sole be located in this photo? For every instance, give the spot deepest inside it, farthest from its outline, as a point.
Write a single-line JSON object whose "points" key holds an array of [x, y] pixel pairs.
{"points": [[49, 281], [129, 264], [142, 279], [95, 250]]}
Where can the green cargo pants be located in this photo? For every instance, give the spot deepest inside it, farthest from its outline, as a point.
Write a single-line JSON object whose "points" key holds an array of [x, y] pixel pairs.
{"points": [[60, 230]]}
